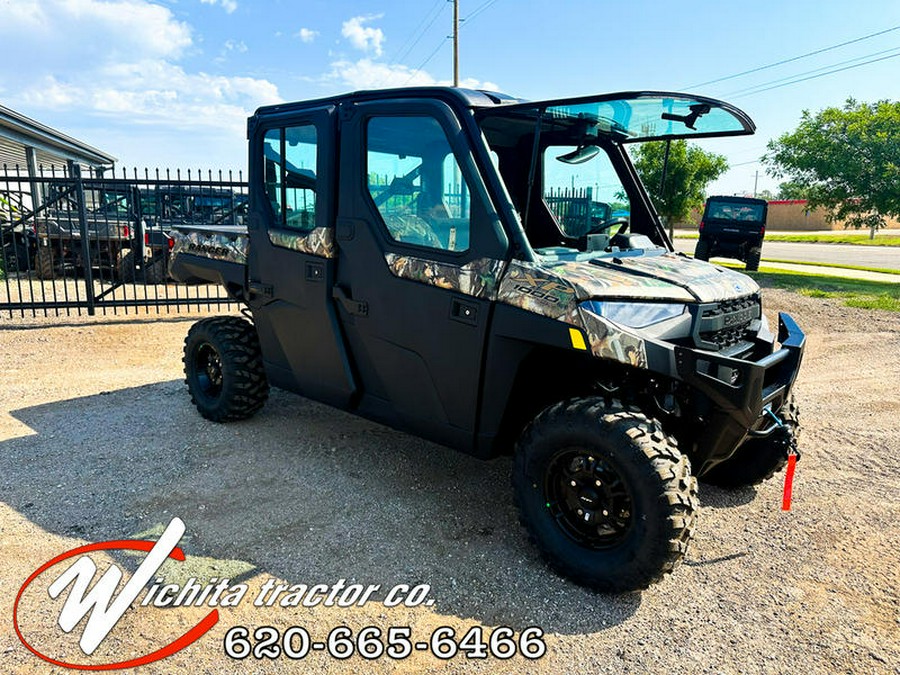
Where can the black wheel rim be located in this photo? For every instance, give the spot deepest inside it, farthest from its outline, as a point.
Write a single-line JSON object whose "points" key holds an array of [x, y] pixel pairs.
{"points": [[588, 499], [208, 369]]}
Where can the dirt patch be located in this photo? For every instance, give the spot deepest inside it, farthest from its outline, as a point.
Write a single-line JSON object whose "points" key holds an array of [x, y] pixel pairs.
{"points": [[98, 441]]}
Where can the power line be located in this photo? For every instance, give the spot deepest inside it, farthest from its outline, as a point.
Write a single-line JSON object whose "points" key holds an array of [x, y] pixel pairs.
{"points": [[796, 58], [426, 61], [810, 72], [478, 10], [416, 31], [813, 77], [475, 12], [440, 5]]}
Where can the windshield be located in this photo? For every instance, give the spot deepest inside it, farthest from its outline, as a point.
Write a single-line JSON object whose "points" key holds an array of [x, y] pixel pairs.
{"points": [[565, 168], [636, 117], [582, 196], [735, 211]]}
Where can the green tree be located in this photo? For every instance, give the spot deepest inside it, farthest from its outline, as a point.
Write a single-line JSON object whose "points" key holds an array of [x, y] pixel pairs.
{"points": [[846, 159], [690, 169], [791, 190]]}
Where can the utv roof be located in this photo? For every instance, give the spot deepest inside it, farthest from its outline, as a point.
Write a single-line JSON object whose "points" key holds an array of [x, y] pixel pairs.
{"points": [[470, 98], [633, 116], [735, 198]]}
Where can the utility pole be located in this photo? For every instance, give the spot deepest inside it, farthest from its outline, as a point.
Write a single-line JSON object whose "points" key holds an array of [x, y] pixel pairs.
{"points": [[455, 43], [755, 182]]}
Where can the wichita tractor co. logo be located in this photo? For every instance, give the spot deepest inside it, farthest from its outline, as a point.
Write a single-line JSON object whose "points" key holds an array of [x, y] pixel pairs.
{"points": [[102, 606]]}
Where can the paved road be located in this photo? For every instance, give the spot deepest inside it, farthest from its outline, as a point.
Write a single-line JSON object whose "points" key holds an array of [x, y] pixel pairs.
{"points": [[884, 257]]}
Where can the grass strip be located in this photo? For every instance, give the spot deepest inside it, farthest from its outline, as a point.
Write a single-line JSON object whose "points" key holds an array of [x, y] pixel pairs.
{"points": [[841, 238], [860, 293]]}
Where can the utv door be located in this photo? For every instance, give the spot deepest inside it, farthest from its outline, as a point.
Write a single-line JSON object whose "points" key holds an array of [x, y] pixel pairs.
{"points": [[292, 255], [420, 249]]}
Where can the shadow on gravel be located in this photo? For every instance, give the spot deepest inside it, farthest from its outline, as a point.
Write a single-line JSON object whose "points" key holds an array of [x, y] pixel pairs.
{"points": [[302, 492], [40, 323], [712, 497]]}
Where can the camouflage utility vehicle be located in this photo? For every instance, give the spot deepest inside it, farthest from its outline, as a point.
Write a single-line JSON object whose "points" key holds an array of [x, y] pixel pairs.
{"points": [[733, 227], [402, 261], [118, 235]]}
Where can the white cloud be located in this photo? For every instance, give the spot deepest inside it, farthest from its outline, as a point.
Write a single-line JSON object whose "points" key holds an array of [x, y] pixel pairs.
{"points": [[369, 74], [364, 38], [235, 46], [160, 93], [127, 71], [48, 30], [228, 5], [307, 34]]}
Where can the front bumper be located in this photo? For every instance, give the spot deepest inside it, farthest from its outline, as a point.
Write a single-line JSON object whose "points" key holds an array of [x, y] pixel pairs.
{"points": [[738, 391]]}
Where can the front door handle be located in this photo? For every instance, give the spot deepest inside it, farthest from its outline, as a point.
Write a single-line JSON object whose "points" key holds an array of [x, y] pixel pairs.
{"points": [[464, 312], [352, 306]]}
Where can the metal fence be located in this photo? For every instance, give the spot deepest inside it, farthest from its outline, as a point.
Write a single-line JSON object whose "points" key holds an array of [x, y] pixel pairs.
{"points": [[100, 244]]}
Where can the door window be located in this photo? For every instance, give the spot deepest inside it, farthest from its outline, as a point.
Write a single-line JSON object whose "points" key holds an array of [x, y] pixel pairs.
{"points": [[290, 176], [416, 183]]}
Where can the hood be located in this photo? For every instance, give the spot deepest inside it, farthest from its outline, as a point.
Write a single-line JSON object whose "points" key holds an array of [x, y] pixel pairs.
{"points": [[654, 277]]}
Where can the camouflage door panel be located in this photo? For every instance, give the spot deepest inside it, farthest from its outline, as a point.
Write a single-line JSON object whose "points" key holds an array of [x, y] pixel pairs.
{"points": [[318, 241], [478, 278]]}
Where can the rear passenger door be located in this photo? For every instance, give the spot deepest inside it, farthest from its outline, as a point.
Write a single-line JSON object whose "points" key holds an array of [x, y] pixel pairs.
{"points": [[292, 256]]}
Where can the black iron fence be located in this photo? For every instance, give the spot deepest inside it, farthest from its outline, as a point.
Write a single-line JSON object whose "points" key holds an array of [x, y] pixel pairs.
{"points": [[94, 243]]}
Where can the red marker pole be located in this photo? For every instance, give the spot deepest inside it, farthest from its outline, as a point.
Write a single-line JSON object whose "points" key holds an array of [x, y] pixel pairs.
{"points": [[789, 482]]}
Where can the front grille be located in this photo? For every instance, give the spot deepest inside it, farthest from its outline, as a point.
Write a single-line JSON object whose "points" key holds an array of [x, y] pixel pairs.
{"points": [[724, 324]]}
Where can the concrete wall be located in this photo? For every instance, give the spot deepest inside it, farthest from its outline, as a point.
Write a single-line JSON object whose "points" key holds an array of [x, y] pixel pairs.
{"points": [[791, 215], [794, 215]]}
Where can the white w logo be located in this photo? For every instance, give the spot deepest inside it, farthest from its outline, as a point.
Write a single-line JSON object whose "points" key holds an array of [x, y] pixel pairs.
{"points": [[99, 604]]}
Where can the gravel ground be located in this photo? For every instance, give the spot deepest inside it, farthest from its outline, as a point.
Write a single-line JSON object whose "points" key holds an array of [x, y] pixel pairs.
{"points": [[98, 441]]}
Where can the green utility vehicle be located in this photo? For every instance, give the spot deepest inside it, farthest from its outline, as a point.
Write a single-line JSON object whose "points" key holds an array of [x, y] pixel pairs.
{"points": [[403, 260]]}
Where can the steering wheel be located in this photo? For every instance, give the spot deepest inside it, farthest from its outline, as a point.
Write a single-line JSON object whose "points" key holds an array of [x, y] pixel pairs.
{"points": [[621, 222]]}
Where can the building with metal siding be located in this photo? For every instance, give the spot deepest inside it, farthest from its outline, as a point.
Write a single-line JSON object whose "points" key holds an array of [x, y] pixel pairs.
{"points": [[26, 146]]}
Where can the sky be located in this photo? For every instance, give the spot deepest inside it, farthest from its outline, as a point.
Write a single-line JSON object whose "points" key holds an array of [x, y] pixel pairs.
{"points": [[170, 83]]}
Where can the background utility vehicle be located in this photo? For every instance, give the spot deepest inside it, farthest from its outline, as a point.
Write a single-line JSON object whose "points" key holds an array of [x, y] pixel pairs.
{"points": [[733, 227], [402, 262]]}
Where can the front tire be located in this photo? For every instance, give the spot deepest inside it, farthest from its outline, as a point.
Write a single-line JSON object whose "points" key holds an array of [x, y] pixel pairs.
{"points": [[16, 257], [223, 369], [604, 494]]}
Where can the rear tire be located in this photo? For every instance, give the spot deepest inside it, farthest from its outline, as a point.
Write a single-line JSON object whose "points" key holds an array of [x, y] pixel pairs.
{"points": [[757, 459], [753, 256], [44, 266], [604, 494], [152, 272], [125, 267], [702, 250], [223, 369], [156, 271]]}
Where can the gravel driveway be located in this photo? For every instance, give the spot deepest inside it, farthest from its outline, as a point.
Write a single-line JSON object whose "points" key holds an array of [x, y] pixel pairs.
{"points": [[98, 441]]}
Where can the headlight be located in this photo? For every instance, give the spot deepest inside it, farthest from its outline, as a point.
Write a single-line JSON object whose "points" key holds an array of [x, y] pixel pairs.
{"points": [[635, 314]]}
